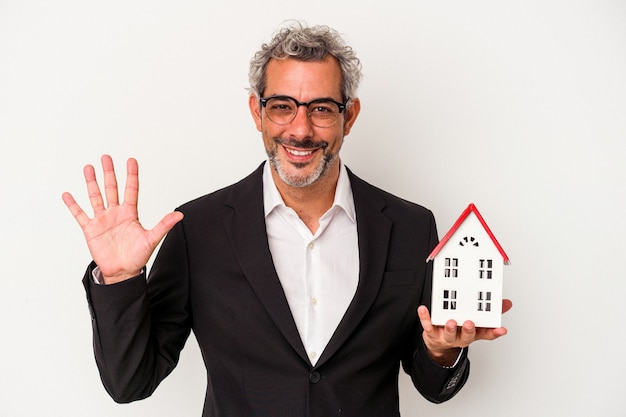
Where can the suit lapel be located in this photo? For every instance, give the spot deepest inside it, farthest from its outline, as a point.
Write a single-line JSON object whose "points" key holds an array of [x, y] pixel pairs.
{"points": [[246, 228], [374, 230]]}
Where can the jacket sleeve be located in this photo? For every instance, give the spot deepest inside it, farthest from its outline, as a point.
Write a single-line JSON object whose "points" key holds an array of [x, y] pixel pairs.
{"points": [[139, 329], [435, 382]]}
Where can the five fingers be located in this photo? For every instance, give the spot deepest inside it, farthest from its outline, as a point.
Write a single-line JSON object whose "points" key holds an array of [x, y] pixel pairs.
{"points": [[131, 192]]}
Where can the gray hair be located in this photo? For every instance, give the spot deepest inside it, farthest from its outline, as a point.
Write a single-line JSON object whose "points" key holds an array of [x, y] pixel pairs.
{"points": [[311, 44]]}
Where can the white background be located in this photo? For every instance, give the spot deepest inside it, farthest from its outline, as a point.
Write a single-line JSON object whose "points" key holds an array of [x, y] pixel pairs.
{"points": [[516, 106]]}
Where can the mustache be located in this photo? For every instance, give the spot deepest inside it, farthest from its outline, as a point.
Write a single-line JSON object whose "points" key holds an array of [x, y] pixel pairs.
{"points": [[301, 144]]}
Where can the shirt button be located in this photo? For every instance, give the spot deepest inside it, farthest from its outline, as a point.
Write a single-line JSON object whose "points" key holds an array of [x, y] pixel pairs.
{"points": [[313, 301], [311, 245], [313, 355], [314, 377]]}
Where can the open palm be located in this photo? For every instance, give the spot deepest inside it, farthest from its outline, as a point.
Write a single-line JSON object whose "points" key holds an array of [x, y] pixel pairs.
{"points": [[117, 241]]}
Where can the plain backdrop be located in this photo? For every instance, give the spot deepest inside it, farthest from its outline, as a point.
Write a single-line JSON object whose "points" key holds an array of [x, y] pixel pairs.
{"points": [[516, 106]]}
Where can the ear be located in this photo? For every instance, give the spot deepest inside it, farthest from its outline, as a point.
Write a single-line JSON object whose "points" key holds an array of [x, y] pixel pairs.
{"points": [[255, 110], [352, 113]]}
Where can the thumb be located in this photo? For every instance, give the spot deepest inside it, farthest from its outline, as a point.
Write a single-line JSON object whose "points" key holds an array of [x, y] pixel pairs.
{"points": [[424, 316], [165, 225]]}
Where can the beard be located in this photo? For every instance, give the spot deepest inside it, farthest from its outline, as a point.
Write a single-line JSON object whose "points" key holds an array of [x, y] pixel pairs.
{"points": [[296, 179]]}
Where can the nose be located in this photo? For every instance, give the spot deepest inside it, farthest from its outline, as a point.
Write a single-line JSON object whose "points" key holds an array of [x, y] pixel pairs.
{"points": [[301, 126]]}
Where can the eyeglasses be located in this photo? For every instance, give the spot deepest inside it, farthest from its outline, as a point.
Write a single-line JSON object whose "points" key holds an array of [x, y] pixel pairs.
{"points": [[322, 112]]}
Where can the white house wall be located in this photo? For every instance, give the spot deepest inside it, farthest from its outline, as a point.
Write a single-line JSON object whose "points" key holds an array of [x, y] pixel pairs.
{"points": [[468, 284]]}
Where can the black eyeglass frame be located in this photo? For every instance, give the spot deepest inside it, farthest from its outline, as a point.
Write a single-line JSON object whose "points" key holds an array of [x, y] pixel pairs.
{"points": [[341, 106]]}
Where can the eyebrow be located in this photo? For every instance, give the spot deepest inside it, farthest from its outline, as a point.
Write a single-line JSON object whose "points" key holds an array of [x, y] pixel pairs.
{"points": [[313, 99]]}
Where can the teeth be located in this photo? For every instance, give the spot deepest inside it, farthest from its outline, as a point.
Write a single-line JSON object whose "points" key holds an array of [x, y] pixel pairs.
{"points": [[298, 153]]}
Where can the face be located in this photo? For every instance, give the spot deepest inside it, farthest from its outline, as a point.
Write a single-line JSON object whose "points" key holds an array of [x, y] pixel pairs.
{"points": [[300, 153]]}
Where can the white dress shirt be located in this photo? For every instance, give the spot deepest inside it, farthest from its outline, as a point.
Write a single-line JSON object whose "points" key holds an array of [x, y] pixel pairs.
{"points": [[319, 272]]}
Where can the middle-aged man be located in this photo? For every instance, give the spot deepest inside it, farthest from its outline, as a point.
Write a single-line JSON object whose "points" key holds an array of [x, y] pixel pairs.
{"points": [[305, 286]]}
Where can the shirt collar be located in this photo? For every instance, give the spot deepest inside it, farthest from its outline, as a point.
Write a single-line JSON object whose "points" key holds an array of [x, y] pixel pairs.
{"points": [[343, 193]]}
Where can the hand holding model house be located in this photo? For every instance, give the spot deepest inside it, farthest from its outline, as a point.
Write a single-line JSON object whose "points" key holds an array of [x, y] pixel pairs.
{"points": [[467, 303]]}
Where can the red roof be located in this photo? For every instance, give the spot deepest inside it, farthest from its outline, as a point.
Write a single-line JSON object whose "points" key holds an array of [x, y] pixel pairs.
{"points": [[471, 208]]}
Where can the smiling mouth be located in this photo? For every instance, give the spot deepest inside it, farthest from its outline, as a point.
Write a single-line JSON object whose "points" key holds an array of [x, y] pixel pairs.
{"points": [[297, 152], [301, 149]]}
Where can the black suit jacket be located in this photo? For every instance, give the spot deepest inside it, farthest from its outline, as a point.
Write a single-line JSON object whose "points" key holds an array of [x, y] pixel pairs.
{"points": [[214, 274]]}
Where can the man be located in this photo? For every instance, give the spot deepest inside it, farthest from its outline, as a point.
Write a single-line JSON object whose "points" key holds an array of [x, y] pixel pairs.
{"points": [[306, 287]]}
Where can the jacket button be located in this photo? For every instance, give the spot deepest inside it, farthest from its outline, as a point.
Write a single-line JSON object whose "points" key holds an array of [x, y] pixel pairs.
{"points": [[314, 377]]}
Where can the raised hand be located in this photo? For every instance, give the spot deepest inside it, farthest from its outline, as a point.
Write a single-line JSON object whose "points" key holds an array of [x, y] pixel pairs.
{"points": [[444, 342], [117, 241]]}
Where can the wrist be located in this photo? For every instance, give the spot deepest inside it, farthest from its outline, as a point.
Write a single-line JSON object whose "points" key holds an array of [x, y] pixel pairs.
{"points": [[122, 276], [446, 358]]}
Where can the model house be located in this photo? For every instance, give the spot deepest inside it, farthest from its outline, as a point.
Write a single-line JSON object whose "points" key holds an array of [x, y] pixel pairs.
{"points": [[467, 273]]}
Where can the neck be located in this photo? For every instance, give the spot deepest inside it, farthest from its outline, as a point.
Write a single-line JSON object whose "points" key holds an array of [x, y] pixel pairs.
{"points": [[310, 202]]}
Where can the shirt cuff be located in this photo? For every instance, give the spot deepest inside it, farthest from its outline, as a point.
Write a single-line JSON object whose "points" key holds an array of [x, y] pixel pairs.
{"points": [[96, 276], [458, 358]]}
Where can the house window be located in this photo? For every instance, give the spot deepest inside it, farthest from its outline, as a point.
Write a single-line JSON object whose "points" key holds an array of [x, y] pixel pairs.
{"points": [[485, 268], [469, 241], [451, 269], [484, 301], [449, 299]]}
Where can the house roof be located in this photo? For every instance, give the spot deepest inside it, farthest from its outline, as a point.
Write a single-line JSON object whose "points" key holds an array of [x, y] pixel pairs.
{"points": [[470, 209]]}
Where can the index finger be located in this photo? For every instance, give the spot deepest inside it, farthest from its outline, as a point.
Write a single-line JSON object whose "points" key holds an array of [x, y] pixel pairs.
{"points": [[131, 191]]}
